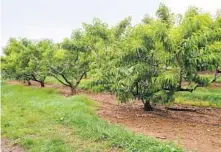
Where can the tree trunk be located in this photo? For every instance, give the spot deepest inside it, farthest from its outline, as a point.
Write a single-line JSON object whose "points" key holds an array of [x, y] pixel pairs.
{"points": [[42, 84], [73, 91], [215, 75], [147, 106], [29, 82], [85, 76]]}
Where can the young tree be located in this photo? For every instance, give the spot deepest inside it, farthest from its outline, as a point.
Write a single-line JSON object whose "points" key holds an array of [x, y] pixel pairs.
{"points": [[25, 60], [70, 63], [157, 59], [205, 34], [189, 43], [37, 63], [138, 73], [214, 47], [8, 60]]}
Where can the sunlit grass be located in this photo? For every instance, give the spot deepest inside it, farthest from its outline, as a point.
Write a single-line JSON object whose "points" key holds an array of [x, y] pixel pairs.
{"points": [[201, 97], [40, 120], [180, 100], [218, 80]]}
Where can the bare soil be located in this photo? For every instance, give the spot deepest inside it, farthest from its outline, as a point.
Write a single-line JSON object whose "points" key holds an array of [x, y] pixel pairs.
{"points": [[198, 130], [9, 146], [215, 85], [195, 131]]}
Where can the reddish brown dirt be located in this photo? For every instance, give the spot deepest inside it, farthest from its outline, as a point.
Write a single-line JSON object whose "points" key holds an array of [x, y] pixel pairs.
{"points": [[195, 131], [215, 85]]}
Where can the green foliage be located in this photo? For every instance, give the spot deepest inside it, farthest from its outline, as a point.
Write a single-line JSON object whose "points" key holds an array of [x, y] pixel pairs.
{"points": [[41, 120], [147, 19], [154, 59], [142, 63], [149, 61], [92, 85], [165, 15], [70, 63], [26, 60]]}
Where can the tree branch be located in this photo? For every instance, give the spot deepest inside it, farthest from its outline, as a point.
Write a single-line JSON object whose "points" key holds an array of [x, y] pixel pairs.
{"points": [[185, 89], [66, 80], [79, 80], [63, 76], [188, 89], [215, 75], [60, 80]]}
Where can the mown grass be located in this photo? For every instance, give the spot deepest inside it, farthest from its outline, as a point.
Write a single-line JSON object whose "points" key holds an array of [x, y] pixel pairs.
{"points": [[218, 80], [201, 97], [41, 120]]}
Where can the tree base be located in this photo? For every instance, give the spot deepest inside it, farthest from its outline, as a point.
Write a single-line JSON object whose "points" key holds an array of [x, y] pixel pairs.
{"points": [[29, 82], [147, 106], [73, 91], [42, 84]]}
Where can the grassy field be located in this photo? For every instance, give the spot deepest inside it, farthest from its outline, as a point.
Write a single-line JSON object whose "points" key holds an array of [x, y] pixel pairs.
{"points": [[201, 97], [41, 120], [208, 96]]}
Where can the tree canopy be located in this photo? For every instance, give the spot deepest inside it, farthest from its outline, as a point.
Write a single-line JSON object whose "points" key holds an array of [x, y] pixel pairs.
{"points": [[149, 61]]}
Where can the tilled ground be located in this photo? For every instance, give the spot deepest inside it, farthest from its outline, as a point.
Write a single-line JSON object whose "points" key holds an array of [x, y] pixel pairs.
{"points": [[195, 131]]}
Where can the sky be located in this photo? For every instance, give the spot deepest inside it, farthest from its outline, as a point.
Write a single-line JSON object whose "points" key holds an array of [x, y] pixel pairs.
{"points": [[55, 19]]}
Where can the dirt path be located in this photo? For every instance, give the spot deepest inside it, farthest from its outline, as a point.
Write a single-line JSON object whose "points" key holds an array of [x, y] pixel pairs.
{"points": [[195, 131]]}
